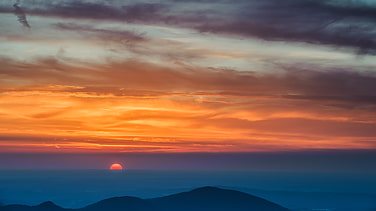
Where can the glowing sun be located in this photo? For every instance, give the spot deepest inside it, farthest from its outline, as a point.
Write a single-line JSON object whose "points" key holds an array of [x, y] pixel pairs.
{"points": [[116, 166]]}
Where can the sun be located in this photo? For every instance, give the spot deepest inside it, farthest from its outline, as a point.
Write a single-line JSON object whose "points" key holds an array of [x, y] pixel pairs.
{"points": [[116, 166]]}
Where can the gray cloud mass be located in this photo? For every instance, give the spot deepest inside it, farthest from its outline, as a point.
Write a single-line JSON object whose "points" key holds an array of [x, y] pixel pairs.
{"points": [[347, 24]]}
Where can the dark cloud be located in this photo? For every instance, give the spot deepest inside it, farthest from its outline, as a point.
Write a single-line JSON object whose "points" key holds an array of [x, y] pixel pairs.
{"points": [[345, 88], [315, 22], [102, 11], [336, 84], [144, 12], [20, 15]]}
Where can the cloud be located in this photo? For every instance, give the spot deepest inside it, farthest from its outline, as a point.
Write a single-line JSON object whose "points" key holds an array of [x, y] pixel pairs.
{"points": [[102, 11], [290, 82], [216, 95], [21, 15], [314, 22], [207, 108], [306, 126], [119, 36], [140, 44], [112, 103]]}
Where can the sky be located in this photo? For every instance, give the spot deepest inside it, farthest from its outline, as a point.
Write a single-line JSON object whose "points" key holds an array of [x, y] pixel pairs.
{"points": [[187, 76]]}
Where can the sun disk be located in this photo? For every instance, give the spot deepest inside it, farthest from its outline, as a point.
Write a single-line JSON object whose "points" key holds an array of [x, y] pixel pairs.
{"points": [[116, 166]]}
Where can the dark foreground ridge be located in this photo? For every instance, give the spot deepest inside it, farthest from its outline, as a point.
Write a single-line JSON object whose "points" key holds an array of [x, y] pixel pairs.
{"points": [[201, 199]]}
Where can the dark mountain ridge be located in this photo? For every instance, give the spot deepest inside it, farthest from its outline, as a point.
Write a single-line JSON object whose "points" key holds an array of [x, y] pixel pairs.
{"points": [[201, 199], [215, 199]]}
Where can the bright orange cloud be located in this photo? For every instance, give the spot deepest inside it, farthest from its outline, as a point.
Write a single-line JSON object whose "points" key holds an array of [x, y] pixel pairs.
{"points": [[137, 106]]}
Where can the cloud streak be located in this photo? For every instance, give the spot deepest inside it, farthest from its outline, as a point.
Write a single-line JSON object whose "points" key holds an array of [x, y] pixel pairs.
{"points": [[20, 15], [125, 37], [291, 82], [312, 22]]}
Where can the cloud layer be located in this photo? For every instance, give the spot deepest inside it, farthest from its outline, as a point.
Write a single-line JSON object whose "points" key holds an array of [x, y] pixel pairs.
{"points": [[321, 22], [187, 76], [178, 108]]}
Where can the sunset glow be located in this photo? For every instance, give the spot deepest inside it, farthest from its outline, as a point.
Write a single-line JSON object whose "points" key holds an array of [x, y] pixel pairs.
{"points": [[163, 80]]}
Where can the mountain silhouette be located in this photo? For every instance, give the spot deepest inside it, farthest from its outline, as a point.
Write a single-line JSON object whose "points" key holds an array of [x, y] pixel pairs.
{"points": [[201, 199], [48, 206], [45, 206], [214, 199], [120, 204]]}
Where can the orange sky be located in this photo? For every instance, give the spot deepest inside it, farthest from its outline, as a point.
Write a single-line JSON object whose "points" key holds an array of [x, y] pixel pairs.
{"points": [[83, 84], [116, 109]]}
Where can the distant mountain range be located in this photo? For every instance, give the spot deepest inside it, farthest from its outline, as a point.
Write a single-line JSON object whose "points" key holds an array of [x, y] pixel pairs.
{"points": [[201, 199]]}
